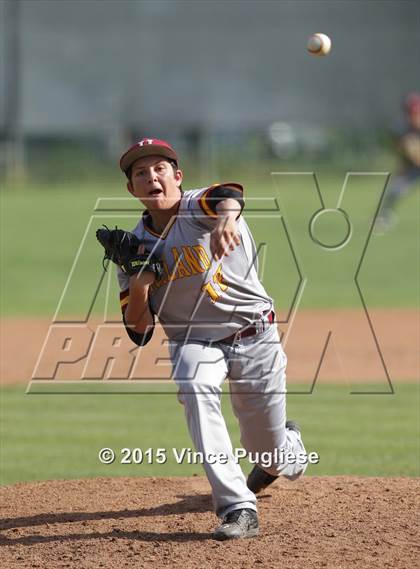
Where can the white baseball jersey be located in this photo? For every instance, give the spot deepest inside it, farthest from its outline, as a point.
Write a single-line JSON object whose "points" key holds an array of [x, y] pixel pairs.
{"points": [[198, 297]]}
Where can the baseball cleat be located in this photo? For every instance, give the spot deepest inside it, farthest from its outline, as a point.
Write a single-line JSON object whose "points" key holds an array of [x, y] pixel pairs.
{"points": [[293, 426], [258, 479], [238, 524]]}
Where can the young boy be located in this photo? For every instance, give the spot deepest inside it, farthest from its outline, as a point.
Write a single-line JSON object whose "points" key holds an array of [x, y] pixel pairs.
{"points": [[219, 321]]}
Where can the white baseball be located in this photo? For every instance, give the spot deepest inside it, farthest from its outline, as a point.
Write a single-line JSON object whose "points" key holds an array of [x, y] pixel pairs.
{"points": [[319, 44]]}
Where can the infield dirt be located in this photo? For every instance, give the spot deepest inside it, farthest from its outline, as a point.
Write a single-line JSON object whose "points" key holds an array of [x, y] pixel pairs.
{"points": [[353, 353], [329, 522]]}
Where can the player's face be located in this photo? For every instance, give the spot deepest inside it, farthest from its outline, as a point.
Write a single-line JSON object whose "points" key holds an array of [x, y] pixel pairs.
{"points": [[155, 182]]}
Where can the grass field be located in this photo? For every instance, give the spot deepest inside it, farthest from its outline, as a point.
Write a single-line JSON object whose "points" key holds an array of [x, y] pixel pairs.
{"points": [[59, 436], [43, 228]]}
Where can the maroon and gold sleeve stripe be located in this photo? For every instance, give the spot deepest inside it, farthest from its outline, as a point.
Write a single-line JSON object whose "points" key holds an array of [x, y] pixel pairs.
{"points": [[124, 299], [208, 205]]}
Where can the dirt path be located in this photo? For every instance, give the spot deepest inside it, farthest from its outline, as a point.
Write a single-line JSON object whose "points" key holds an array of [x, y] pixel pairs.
{"points": [[331, 522], [351, 355]]}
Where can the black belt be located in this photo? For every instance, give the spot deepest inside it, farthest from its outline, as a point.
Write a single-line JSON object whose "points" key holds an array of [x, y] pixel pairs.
{"points": [[251, 330]]}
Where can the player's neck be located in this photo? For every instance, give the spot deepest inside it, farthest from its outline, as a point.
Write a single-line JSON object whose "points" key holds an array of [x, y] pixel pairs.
{"points": [[161, 218]]}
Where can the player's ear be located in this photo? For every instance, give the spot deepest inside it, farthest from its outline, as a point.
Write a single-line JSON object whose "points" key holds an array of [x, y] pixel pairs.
{"points": [[179, 176], [130, 187]]}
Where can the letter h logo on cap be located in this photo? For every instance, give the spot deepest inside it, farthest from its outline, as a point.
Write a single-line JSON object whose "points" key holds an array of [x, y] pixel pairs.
{"points": [[146, 141]]}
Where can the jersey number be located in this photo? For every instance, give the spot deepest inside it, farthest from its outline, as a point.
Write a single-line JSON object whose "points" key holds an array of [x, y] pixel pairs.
{"points": [[216, 284]]}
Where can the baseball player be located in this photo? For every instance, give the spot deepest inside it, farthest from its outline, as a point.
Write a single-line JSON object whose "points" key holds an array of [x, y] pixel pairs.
{"points": [[408, 148], [220, 323]]}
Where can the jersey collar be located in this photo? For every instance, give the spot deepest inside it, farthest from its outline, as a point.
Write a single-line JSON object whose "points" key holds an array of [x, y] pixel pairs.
{"points": [[148, 223]]}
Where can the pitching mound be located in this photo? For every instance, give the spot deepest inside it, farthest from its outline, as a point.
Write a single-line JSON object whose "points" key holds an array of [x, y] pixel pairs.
{"points": [[336, 522]]}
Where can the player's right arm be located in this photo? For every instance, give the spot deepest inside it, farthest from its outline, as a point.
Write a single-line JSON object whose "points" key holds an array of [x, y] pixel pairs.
{"points": [[218, 209], [225, 236]]}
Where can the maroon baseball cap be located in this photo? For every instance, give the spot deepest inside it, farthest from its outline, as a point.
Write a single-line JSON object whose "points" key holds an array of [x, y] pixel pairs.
{"points": [[147, 147]]}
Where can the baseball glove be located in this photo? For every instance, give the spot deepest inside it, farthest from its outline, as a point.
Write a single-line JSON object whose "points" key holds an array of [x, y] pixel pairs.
{"points": [[121, 247]]}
